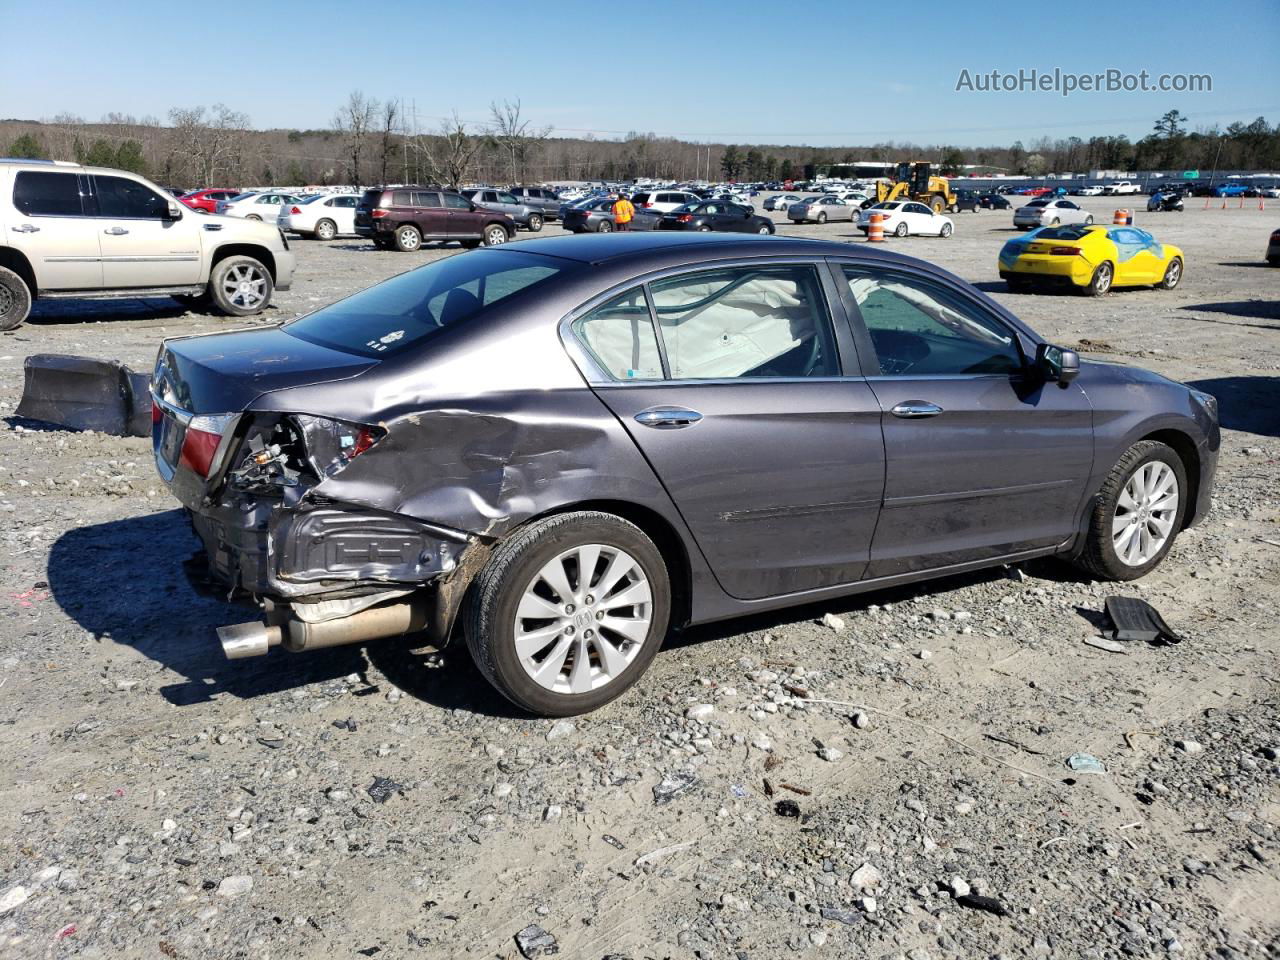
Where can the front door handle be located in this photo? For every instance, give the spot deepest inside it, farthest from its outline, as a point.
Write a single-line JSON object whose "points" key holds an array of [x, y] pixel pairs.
{"points": [[916, 409], [26, 228], [115, 231], [667, 418]]}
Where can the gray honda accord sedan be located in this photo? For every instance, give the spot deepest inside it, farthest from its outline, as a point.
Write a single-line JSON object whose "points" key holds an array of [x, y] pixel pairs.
{"points": [[564, 448]]}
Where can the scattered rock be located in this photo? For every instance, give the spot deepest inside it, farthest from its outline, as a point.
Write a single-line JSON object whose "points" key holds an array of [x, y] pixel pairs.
{"points": [[1190, 747], [382, 789], [833, 622], [561, 729], [700, 712], [673, 786], [13, 898], [235, 886], [533, 941], [830, 754], [866, 877]]}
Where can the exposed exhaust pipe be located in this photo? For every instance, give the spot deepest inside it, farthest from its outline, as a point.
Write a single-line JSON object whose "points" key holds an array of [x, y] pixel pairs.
{"points": [[255, 638]]}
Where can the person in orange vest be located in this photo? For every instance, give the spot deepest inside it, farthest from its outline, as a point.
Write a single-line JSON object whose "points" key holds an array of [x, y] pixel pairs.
{"points": [[623, 212]]}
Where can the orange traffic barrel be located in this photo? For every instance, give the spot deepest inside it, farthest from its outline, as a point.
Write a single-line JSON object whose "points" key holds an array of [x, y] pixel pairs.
{"points": [[875, 228], [1123, 218]]}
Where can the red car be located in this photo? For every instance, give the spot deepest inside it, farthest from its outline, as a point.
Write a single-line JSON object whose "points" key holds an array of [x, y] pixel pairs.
{"points": [[1036, 191], [207, 200]]}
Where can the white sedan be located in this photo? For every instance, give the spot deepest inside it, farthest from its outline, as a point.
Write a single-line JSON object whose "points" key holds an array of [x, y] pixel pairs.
{"points": [[321, 217], [907, 218], [256, 206], [1089, 192]]}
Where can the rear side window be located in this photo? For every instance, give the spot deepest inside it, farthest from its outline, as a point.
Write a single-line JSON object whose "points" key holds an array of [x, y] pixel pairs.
{"points": [[402, 198], [425, 199], [920, 329], [619, 334], [121, 197], [745, 322], [397, 314], [47, 194]]}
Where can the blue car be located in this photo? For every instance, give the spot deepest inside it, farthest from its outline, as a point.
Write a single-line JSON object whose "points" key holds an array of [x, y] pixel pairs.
{"points": [[1230, 190]]}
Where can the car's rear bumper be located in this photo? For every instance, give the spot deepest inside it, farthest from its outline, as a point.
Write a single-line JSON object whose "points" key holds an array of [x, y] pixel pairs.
{"points": [[1048, 269]]}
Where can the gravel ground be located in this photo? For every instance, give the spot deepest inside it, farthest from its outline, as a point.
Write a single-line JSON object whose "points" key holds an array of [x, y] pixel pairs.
{"points": [[844, 780]]}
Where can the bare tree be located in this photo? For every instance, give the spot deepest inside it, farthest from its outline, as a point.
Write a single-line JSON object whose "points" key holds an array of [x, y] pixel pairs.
{"points": [[449, 155], [516, 136], [354, 121], [390, 118], [206, 146]]}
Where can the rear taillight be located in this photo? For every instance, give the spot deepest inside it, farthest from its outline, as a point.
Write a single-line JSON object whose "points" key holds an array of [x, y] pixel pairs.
{"points": [[201, 440], [685, 218], [378, 214], [1064, 251], [295, 210]]}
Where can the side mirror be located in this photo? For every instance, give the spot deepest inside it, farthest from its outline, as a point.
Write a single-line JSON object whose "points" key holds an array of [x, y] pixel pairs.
{"points": [[174, 211], [1057, 364]]}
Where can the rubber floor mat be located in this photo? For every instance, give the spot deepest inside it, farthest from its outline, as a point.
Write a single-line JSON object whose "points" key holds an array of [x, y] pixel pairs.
{"points": [[1134, 619]]}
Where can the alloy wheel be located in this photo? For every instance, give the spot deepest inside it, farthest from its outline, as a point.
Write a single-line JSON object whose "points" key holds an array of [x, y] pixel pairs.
{"points": [[583, 619], [245, 286], [1145, 513], [495, 236]]}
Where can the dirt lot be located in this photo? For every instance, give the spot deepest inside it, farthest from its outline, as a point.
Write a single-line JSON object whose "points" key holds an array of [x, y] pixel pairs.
{"points": [[165, 802]]}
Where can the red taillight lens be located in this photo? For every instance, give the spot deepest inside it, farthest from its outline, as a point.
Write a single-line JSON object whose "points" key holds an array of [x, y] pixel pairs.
{"points": [[1065, 251], [365, 439], [295, 210], [378, 214], [156, 414], [685, 218], [200, 442]]}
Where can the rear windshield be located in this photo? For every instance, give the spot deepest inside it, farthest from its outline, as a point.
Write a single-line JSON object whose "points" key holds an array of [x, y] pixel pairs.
{"points": [[1074, 231], [371, 198], [398, 313]]}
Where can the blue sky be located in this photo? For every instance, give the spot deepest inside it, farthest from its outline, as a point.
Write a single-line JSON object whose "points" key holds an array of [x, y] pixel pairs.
{"points": [[821, 73]]}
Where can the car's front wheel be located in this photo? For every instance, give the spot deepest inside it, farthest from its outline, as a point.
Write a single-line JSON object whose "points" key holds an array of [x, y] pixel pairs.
{"points": [[15, 299], [240, 286], [495, 235], [1137, 513], [1172, 274], [945, 231], [569, 612]]}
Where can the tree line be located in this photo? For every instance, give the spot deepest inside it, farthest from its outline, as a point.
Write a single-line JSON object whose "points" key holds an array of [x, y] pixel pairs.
{"points": [[371, 141]]}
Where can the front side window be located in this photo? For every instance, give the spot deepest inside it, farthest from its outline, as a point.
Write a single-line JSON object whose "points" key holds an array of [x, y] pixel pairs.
{"points": [[121, 197], [40, 194], [745, 322], [920, 329], [619, 335], [507, 198], [455, 202], [400, 312]]}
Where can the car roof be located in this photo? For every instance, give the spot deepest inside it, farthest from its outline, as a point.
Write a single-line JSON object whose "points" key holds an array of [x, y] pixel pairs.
{"points": [[691, 248]]}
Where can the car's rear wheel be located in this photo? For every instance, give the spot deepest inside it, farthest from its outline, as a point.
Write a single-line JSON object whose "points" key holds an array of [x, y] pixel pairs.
{"points": [[945, 231], [535, 223], [901, 229], [1100, 282], [408, 238], [569, 612], [704, 228], [494, 235], [1137, 513], [1172, 274], [604, 226], [240, 286], [326, 230], [15, 299], [822, 216]]}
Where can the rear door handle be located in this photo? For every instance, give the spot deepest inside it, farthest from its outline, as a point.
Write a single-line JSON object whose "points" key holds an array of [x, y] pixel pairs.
{"points": [[916, 409], [115, 231], [26, 228], [667, 418]]}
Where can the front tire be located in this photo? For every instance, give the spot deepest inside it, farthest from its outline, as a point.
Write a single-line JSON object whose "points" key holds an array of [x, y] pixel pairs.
{"points": [[494, 236], [1137, 513], [1172, 274], [569, 612], [241, 286], [945, 231], [15, 299], [535, 223]]}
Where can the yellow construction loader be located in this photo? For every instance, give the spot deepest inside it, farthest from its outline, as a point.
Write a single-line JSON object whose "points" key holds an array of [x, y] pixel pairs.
{"points": [[913, 182]]}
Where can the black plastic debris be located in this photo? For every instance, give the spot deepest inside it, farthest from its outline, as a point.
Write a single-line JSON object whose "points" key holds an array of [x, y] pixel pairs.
{"points": [[533, 941], [840, 914], [84, 393], [1136, 620], [976, 901], [673, 786], [382, 788], [787, 808]]}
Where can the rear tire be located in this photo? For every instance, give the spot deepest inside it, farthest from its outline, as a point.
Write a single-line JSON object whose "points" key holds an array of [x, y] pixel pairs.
{"points": [[325, 230], [15, 299], [1172, 274], [1100, 557], [901, 229], [408, 238], [492, 620], [822, 216], [240, 286], [704, 228], [605, 226], [1100, 282]]}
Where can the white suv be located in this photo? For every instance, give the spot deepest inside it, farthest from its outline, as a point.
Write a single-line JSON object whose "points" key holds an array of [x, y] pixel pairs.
{"points": [[74, 232]]}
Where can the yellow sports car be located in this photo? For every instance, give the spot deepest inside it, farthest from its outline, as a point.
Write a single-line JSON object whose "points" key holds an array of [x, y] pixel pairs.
{"points": [[1092, 258]]}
